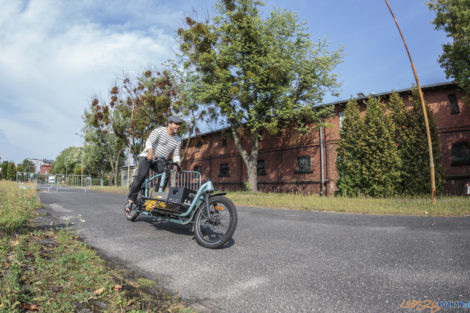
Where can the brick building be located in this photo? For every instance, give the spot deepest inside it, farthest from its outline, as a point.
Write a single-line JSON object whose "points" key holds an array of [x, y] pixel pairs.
{"points": [[290, 162], [45, 169]]}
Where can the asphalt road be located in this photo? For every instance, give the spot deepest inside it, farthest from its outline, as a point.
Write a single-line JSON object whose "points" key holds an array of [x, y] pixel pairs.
{"points": [[284, 261]]}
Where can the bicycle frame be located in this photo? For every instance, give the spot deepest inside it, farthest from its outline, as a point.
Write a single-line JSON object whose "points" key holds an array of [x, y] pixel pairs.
{"points": [[180, 218]]}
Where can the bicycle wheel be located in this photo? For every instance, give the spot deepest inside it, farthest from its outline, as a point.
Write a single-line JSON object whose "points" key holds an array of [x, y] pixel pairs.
{"points": [[217, 230]]}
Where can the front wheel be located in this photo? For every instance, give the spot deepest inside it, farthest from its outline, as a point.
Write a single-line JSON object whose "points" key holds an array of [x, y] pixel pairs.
{"points": [[214, 231]]}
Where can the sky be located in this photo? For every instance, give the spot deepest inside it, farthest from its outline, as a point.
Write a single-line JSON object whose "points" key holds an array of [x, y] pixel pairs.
{"points": [[56, 56]]}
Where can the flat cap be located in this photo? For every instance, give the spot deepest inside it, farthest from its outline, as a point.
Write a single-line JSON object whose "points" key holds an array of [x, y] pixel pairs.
{"points": [[175, 119]]}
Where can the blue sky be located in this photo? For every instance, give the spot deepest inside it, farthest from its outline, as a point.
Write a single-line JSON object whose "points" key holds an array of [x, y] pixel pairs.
{"points": [[56, 56]]}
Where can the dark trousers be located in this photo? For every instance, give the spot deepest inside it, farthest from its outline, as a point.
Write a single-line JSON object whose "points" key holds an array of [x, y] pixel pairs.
{"points": [[142, 174]]}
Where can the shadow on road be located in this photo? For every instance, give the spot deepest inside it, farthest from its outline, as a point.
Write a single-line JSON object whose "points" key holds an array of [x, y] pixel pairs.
{"points": [[176, 229]]}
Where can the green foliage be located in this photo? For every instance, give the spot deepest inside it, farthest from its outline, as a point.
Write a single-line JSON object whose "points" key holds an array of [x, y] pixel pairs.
{"points": [[11, 171], [384, 153], [187, 101], [16, 207], [54, 271], [27, 166], [381, 161], [417, 162], [8, 170], [4, 169], [404, 136], [104, 142], [453, 16], [258, 74], [68, 161], [350, 151]]}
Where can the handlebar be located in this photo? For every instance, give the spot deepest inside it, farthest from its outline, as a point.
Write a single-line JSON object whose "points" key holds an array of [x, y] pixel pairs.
{"points": [[167, 163]]}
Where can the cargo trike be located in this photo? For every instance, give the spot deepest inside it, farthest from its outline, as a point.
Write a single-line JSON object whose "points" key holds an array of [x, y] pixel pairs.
{"points": [[212, 217]]}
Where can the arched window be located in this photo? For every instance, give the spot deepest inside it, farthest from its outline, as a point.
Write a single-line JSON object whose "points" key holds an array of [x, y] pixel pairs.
{"points": [[461, 153]]}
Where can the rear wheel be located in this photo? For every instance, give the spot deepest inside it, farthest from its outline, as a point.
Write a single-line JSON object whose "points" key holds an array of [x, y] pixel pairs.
{"points": [[217, 230]]}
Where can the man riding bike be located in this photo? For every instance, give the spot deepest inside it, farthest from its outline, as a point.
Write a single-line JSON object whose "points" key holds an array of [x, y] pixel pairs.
{"points": [[162, 142]]}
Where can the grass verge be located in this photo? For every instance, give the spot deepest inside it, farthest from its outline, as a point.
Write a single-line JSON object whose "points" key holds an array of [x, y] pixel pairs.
{"points": [[415, 206], [445, 206], [53, 271]]}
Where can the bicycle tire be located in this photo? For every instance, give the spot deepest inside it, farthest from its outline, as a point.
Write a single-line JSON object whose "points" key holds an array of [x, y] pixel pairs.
{"points": [[215, 233]]}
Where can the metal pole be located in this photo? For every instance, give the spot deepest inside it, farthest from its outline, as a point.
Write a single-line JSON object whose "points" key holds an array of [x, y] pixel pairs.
{"points": [[428, 133]]}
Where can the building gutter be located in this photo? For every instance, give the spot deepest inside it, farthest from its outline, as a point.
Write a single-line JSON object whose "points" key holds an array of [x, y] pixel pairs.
{"points": [[322, 170]]}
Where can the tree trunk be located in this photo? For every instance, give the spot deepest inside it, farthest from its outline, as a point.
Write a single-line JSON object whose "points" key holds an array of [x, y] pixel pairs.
{"points": [[116, 172], [252, 175], [251, 159]]}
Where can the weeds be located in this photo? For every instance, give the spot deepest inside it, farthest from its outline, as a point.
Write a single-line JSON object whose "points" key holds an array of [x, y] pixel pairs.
{"points": [[53, 271]]}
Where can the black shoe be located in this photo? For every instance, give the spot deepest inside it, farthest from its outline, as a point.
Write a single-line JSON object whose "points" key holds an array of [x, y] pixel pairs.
{"points": [[128, 207]]}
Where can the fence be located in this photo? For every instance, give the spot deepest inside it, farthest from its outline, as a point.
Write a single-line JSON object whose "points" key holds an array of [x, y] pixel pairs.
{"points": [[56, 180]]}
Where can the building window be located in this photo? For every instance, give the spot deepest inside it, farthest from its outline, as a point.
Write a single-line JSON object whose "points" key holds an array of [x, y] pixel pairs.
{"points": [[198, 146], [341, 119], [197, 168], [260, 170], [454, 106], [461, 153], [303, 165], [224, 142], [224, 170]]}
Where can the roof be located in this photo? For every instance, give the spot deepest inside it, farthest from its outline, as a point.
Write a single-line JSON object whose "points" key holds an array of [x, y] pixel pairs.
{"points": [[431, 86]]}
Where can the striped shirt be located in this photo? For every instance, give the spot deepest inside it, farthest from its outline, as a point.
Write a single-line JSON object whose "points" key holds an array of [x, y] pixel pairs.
{"points": [[163, 144]]}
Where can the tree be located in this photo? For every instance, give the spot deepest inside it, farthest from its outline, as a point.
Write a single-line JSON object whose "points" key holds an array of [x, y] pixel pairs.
{"points": [[415, 153], [188, 97], [381, 160], [11, 171], [350, 149], [136, 107], [453, 16], [4, 170], [104, 149], [258, 74], [403, 135], [67, 161], [27, 166]]}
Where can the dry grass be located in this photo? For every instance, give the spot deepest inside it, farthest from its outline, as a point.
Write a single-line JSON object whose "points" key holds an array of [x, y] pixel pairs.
{"points": [[445, 206]]}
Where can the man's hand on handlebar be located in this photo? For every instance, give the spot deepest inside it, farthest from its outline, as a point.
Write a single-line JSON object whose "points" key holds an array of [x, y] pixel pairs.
{"points": [[150, 154], [178, 167]]}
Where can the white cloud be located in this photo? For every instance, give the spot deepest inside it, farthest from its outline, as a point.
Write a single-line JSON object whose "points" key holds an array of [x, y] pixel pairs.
{"points": [[56, 55]]}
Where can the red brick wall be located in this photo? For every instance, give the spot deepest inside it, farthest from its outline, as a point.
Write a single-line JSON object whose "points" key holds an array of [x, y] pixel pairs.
{"points": [[45, 169], [280, 152]]}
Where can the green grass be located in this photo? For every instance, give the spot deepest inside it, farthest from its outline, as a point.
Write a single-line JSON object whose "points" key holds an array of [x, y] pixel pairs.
{"points": [[17, 206], [53, 271], [445, 206], [111, 189], [416, 206]]}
